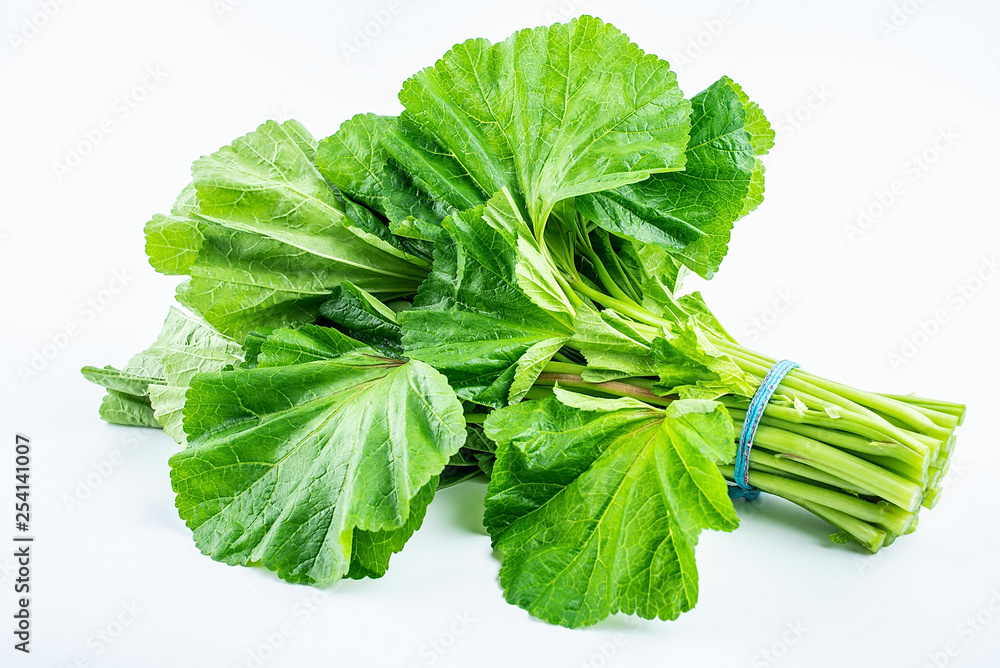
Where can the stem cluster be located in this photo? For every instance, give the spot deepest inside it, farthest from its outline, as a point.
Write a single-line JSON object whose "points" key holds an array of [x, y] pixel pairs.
{"points": [[863, 461]]}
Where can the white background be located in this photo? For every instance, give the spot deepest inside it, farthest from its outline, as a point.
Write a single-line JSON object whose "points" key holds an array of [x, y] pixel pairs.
{"points": [[853, 104]]}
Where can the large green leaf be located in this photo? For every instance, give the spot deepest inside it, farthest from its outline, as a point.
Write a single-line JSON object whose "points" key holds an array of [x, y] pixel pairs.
{"points": [[690, 213], [599, 511], [550, 113], [316, 463], [272, 238], [473, 319]]}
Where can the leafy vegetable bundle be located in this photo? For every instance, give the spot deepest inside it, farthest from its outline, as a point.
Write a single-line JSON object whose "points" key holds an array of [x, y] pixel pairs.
{"points": [[490, 284]]}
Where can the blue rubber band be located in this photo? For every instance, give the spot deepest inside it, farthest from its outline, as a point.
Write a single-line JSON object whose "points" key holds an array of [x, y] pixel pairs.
{"points": [[754, 413]]}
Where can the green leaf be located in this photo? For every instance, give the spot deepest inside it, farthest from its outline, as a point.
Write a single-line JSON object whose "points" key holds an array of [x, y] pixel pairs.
{"points": [[756, 124], [354, 160], [597, 375], [486, 462], [127, 409], [756, 193], [275, 237], [610, 343], [371, 550], [252, 345], [173, 241], [477, 441], [551, 113], [141, 370], [362, 317], [129, 380], [471, 460], [762, 138], [286, 464], [308, 343], [530, 365], [586, 402], [472, 319], [149, 391], [690, 213], [598, 512], [690, 366], [187, 346], [432, 168], [655, 264], [659, 300]]}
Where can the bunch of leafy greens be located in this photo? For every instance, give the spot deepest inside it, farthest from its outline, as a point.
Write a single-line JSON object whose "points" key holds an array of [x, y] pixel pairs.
{"points": [[490, 284]]}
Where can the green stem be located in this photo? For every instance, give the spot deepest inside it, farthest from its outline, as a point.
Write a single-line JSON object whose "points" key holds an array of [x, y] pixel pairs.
{"points": [[603, 274], [835, 445], [889, 517], [564, 367], [475, 418], [942, 413], [567, 287], [859, 473], [769, 463], [632, 310], [846, 441], [874, 402], [537, 392], [850, 423], [872, 538], [613, 387]]}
